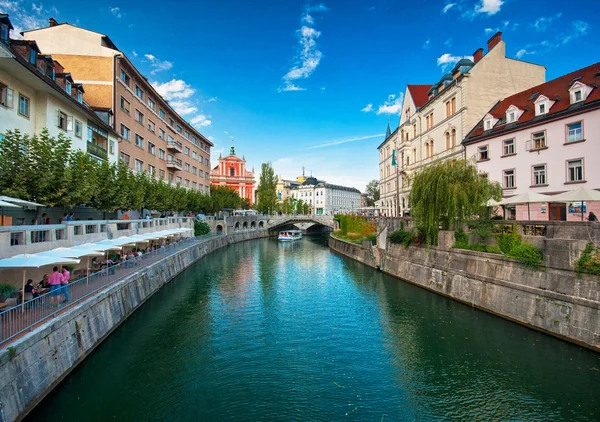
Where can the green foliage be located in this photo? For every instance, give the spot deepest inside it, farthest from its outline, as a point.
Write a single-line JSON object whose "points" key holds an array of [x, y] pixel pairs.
{"points": [[589, 261], [527, 253], [480, 248], [6, 289], [508, 241], [372, 192], [200, 228], [287, 206], [401, 236], [12, 352], [461, 239], [299, 206], [305, 209], [450, 192], [356, 228], [267, 190], [371, 238]]}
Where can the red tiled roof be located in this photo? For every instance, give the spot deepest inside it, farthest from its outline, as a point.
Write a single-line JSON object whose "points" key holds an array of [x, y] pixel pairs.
{"points": [[556, 90], [419, 93]]}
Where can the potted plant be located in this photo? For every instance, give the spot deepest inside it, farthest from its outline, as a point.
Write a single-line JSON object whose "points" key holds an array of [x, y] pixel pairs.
{"points": [[5, 291]]}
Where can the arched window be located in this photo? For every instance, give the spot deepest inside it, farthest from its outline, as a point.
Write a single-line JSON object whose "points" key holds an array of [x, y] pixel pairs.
{"points": [[431, 149], [232, 171], [453, 138], [447, 140], [426, 149]]}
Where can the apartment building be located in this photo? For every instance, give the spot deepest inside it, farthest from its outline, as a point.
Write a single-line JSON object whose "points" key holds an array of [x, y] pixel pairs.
{"points": [[388, 174], [545, 140], [37, 93], [154, 138], [325, 198], [432, 128]]}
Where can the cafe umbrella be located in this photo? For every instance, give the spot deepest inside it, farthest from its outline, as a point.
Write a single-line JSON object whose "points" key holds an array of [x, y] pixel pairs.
{"points": [[25, 261], [5, 204], [578, 195], [527, 198], [75, 252]]}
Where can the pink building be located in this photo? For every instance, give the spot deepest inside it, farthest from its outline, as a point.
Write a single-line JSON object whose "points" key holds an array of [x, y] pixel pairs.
{"points": [[546, 140]]}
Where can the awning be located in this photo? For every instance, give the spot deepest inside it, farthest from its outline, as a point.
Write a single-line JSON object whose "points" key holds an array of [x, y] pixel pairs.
{"points": [[20, 202]]}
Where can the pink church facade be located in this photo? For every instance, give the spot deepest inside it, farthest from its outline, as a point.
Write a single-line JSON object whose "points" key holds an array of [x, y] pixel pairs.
{"points": [[544, 140]]}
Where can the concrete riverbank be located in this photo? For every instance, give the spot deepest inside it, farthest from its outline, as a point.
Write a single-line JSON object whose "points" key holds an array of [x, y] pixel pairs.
{"points": [[35, 363], [557, 302]]}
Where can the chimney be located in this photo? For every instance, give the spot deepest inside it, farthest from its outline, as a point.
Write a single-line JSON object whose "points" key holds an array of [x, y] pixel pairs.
{"points": [[494, 40], [477, 55], [52, 22]]}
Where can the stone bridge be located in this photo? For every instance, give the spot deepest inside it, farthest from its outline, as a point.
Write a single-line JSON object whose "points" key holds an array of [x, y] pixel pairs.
{"points": [[310, 223]]}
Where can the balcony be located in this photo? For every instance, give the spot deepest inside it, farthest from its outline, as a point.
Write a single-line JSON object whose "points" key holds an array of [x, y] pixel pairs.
{"points": [[97, 150], [174, 164], [175, 146]]}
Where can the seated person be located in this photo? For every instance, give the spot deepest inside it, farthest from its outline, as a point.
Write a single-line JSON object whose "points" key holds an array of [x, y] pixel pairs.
{"points": [[30, 292], [96, 263], [44, 283]]}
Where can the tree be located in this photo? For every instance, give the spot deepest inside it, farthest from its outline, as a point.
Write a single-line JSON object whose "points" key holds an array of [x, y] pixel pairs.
{"points": [[372, 192], [449, 193], [105, 196], [244, 203], [305, 208], [287, 206], [267, 189], [81, 178], [299, 206]]}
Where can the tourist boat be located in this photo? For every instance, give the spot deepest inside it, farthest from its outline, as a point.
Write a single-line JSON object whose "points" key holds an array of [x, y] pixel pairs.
{"points": [[290, 235]]}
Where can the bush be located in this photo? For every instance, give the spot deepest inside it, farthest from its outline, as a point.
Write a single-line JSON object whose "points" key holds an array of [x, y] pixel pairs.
{"points": [[589, 261], [372, 238], [507, 241], [481, 248], [200, 228], [7, 289], [527, 253], [461, 239], [401, 236]]}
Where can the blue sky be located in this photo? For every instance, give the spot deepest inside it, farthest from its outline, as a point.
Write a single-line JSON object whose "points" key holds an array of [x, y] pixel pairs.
{"points": [[292, 80]]}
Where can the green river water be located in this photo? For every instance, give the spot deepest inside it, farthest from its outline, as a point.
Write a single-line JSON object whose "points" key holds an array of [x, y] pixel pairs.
{"points": [[292, 332]]}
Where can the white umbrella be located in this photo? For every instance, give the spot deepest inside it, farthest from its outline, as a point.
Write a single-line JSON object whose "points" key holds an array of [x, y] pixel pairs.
{"points": [[527, 198], [20, 202], [6, 204], [582, 194], [73, 253], [25, 261], [492, 203], [98, 247]]}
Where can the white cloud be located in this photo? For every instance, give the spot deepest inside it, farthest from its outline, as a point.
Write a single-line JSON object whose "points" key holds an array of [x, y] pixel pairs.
{"points": [[368, 108], [543, 23], [201, 120], [37, 9], [426, 45], [578, 28], [174, 89], [116, 12], [179, 94], [309, 56], [489, 31], [211, 100], [134, 53], [158, 65], [225, 132], [505, 23], [523, 52], [448, 7], [448, 42], [491, 7], [393, 105], [183, 107], [22, 18], [323, 88], [343, 141], [447, 59]]}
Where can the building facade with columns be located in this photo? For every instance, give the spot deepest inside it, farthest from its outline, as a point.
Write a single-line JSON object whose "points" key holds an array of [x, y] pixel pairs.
{"points": [[231, 171], [325, 198], [433, 124]]}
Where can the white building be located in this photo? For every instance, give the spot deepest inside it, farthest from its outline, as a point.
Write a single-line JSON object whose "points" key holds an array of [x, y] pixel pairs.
{"points": [[37, 93], [325, 198]]}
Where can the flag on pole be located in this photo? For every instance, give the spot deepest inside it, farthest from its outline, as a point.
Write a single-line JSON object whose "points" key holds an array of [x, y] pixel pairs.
{"points": [[393, 157]]}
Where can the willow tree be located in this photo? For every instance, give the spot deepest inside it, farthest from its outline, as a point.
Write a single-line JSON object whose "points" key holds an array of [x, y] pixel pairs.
{"points": [[448, 194]]}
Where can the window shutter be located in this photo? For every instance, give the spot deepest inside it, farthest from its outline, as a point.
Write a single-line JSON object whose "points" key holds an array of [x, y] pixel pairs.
{"points": [[69, 123]]}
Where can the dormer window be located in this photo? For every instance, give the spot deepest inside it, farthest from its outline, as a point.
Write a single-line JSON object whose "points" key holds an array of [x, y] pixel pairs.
{"points": [[68, 87], [4, 33], [541, 108], [488, 124], [577, 96], [79, 96], [511, 117], [32, 56], [579, 91]]}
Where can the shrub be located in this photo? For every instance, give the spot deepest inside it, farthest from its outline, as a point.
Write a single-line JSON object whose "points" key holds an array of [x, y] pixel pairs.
{"points": [[589, 261], [481, 248], [401, 236], [200, 228], [507, 241], [527, 253], [6, 289], [372, 238], [461, 239]]}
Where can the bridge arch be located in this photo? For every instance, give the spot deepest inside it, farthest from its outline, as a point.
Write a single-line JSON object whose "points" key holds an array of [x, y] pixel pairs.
{"points": [[219, 229], [245, 225], [237, 226], [261, 225], [253, 225]]}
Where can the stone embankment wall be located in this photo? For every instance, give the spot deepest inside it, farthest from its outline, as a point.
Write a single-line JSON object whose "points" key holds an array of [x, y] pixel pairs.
{"points": [[34, 364], [554, 301]]}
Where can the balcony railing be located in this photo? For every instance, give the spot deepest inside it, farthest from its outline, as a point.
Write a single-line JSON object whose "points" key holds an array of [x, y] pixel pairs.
{"points": [[175, 146], [97, 150], [174, 164]]}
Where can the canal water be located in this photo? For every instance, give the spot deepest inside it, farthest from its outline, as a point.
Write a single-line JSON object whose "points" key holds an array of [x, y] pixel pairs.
{"points": [[281, 332]]}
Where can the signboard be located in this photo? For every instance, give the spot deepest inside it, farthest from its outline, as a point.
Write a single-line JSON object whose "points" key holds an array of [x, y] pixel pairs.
{"points": [[543, 209], [577, 207]]}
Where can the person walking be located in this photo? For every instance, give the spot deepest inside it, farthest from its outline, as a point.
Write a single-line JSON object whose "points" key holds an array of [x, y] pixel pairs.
{"points": [[592, 217], [66, 275], [55, 281]]}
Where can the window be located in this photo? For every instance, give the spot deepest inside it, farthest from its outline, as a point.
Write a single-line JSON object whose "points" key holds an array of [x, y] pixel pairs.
{"points": [[451, 107], [232, 171], [539, 140], [161, 174], [508, 179], [187, 183], [139, 92], [125, 105], [194, 170], [488, 124], [23, 105], [414, 131], [194, 185], [511, 117], [186, 134], [179, 129], [161, 134], [508, 147], [194, 140], [577, 96], [187, 151], [429, 121], [125, 77], [542, 109], [80, 96], [161, 113], [139, 116], [447, 140], [178, 180], [125, 132], [151, 148], [124, 157], [32, 56], [171, 122], [151, 170], [187, 167], [6, 96], [61, 120], [78, 129], [482, 153], [161, 154], [139, 165], [453, 138], [194, 155], [4, 33], [151, 103], [539, 175], [111, 147], [575, 170], [68, 87], [575, 132], [139, 141], [151, 126]]}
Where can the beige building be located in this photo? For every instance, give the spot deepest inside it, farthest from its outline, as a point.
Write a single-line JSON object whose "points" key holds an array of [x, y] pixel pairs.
{"points": [[432, 128], [388, 174], [284, 188], [154, 138]]}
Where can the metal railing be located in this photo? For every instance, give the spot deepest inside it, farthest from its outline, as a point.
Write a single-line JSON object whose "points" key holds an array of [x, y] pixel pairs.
{"points": [[23, 317]]}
